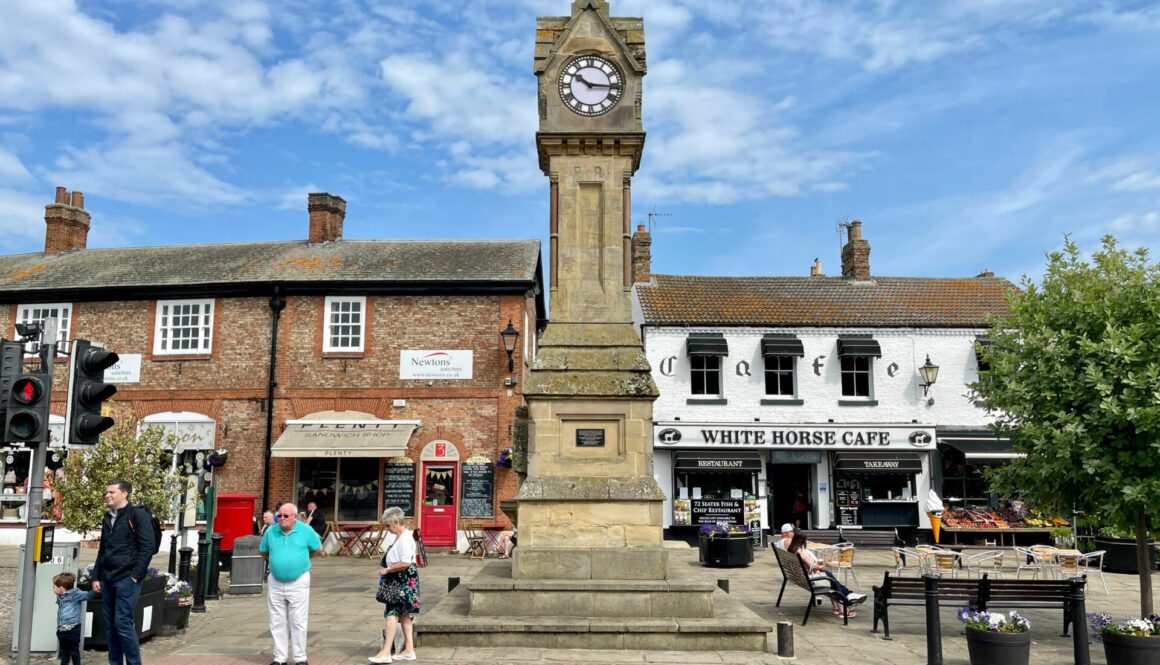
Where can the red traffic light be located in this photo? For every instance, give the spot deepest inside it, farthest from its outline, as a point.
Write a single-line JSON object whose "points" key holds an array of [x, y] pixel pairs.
{"points": [[27, 390]]}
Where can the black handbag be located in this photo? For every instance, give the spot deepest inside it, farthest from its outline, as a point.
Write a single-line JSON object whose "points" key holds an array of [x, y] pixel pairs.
{"points": [[389, 585]]}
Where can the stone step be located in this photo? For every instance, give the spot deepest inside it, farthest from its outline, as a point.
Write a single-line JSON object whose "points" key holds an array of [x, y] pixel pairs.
{"points": [[733, 627], [493, 592]]}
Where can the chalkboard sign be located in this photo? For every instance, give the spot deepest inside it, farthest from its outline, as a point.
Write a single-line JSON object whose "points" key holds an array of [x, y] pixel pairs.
{"points": [[399, 486], [478, 489], [847, 517]]}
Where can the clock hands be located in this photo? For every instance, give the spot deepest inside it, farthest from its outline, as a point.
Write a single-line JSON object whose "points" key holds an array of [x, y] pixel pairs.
{"points": [[591, 85]]}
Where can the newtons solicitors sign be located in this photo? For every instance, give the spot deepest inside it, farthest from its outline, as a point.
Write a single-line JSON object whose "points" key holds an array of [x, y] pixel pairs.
{"points": [[433, 365], [809, 436]]}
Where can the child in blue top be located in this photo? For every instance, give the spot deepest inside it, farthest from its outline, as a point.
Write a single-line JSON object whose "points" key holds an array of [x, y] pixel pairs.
{"points": [[69, 616]]}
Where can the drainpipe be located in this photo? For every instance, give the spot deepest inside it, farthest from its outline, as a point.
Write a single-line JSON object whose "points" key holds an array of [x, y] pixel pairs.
{"points": [[276, 306]]}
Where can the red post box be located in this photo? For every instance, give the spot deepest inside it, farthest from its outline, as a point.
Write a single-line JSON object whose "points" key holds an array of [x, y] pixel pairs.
{"points": [[235, 517]]}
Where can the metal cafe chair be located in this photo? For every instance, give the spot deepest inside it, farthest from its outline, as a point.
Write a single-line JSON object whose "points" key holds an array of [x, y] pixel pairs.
{"points": [[990, 562], [1094, 562], [906, 560], [845, 564], [1029, 560], [946, 562]]}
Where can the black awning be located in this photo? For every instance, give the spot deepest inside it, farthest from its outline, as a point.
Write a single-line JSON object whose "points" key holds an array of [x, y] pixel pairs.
{"points": [[858, 346], [983, 449], [980, 344], [717, 461], [878, 462], [707, 344], [781, 345]]}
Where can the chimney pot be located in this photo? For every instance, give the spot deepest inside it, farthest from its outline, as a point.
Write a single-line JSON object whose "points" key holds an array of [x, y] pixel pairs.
{"points": [[78, 199], [62, 195], [816, 269], [640, 227]]}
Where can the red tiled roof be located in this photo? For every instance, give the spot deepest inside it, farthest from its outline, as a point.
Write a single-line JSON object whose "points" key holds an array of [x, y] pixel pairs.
{"points": [[823, 301]]}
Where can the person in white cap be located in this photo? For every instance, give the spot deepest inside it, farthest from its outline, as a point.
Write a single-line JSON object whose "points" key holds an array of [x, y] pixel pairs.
{"points": [[786, 536]]}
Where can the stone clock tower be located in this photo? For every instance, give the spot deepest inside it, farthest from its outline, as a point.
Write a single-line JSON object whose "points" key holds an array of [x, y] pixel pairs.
{"points": [[590, 507], [591, 567]]}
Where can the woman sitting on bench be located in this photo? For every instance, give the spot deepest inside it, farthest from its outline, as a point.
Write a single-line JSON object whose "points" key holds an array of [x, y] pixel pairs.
{"points": [[816, 567]]}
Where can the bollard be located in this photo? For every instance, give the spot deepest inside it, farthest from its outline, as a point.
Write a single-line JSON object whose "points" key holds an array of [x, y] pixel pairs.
{"points": [[214, 568], [199, 579], [173, 553], [452, 582], [1079, 638], [933, 623], [184, 556], [785, 639], [723, 584]]}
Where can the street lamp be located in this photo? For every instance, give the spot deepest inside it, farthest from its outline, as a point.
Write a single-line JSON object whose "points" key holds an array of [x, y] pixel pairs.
{"points": [[509, 336], [929, 374]]}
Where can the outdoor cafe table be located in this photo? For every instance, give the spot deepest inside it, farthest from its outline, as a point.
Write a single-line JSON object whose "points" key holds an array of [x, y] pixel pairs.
{"points": [[350, 536]]}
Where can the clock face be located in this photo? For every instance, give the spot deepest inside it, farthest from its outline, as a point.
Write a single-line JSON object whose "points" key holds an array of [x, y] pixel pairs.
{"points": [[591, 85]]}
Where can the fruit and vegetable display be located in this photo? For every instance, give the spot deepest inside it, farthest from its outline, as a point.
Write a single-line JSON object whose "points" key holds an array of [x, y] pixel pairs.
{"points": [[1000, 518]]}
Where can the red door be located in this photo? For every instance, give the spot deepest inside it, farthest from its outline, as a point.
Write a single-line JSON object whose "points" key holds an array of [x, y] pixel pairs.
{"points": [[440, 507]]}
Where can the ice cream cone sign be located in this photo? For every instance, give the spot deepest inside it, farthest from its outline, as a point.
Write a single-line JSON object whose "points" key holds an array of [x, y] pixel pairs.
{"points": [[934, 510], [935, 524]]}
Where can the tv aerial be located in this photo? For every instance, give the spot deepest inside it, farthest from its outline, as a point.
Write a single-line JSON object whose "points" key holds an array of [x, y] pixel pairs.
{"points": [[654, 214]]}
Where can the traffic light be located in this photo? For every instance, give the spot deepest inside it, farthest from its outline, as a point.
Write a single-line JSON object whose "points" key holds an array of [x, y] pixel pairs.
{"points": [[28, 402], [87, 391], [11, 364]]}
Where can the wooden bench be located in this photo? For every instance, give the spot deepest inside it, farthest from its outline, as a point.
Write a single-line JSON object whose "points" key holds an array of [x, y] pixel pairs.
{"points": [[827, 536], [1025, 594], [909, 591], [981, 593], [793, 569], [870, 537]]}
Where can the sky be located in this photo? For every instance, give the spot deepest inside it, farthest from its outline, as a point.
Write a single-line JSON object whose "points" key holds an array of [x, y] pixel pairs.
{"points": [[967, 135]]}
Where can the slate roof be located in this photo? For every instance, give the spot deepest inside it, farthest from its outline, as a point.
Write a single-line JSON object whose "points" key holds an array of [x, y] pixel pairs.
{"points": [[822, 301], [355, 264]]}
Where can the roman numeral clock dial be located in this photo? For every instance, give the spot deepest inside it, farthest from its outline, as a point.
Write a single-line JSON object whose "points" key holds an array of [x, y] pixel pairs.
{"points": [[591, 85]]}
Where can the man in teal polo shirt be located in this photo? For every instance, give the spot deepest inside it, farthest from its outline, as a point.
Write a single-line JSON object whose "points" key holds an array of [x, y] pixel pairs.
{"points": [[288, 550]]}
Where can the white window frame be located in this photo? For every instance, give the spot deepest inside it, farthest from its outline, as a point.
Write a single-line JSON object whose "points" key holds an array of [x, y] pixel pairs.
{"points": [[328, 324], [24, 314], [792, 371], [719, 371], [163, 323]]}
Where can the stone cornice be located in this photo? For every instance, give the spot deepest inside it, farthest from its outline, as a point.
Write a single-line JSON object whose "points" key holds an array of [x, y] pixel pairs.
{"points": [[549, 144]]}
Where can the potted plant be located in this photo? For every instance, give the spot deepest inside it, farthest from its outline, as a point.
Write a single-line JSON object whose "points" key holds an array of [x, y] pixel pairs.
{"points": [[1130, 642], [178, 601], [149, 606], [724, 545], [1063, 537], [994, 638], [505, 458], [1120, 545]]}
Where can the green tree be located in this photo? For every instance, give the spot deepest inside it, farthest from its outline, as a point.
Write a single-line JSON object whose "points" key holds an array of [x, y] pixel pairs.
{"points": [[1074, 381], [128, 450]]}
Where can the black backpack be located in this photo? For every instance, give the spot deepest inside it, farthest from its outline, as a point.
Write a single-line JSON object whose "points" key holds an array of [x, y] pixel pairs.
{"points": [[141, 510]]}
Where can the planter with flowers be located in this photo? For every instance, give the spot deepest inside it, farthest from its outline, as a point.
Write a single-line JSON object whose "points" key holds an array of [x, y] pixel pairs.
{"points": [[1130, 642], [178, 602], [726, 545], [505, 458], [994, 638], [146, 618]]}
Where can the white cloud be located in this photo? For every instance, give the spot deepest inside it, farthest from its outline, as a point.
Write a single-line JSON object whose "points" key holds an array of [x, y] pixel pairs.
{"points": [[1137, 222], [12, 171], [17, 210]]}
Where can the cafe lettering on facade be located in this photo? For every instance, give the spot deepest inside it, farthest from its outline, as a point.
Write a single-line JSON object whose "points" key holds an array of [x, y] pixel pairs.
{"points": [[873, 475]]}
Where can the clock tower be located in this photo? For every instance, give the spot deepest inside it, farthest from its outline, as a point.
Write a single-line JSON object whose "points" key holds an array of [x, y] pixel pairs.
{"points": [[590, 508]]}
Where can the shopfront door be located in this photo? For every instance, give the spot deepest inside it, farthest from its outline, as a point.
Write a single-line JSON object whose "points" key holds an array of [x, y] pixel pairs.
{"points": [[440, 503]]}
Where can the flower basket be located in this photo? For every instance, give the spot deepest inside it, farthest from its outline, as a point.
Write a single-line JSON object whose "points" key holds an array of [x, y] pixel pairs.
{"points": [[725, 546], [988, 647]]}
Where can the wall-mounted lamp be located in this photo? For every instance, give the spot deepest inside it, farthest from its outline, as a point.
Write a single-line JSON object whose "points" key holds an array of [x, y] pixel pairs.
{"points": [[929, 374], [509, 336]]}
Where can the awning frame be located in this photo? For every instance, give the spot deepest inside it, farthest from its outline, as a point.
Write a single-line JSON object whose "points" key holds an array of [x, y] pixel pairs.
{"points": [[364, 438], [706, 344], [907, 462], [750, 461], [860, 345], [781, 345]]}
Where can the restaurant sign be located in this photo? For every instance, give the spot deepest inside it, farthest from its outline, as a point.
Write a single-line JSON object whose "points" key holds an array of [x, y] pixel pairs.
{"points": [[803, 437]]}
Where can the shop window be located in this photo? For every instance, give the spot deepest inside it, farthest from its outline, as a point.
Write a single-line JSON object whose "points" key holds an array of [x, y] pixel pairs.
{"points": [[34, 313], [963, 483], [779, 375], [345, 490], [345, 324], [440, 490], [705, 374], [856, 376]]}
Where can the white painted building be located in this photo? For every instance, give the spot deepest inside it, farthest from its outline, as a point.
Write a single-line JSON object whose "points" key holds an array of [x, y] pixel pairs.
{"points": [[775, 386]]}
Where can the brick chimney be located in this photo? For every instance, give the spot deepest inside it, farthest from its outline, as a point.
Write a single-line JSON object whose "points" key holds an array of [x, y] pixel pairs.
{"points": [[816, 269], [67, 222], [985, 274], [856, 254], [641, 255], [326, 215]]}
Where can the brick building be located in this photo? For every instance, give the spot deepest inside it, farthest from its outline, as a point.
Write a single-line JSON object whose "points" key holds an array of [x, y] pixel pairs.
{"points": [[331, 369]]}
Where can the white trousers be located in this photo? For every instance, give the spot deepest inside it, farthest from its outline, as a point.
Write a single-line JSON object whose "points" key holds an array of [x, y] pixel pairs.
{"points": [[289, 604]]}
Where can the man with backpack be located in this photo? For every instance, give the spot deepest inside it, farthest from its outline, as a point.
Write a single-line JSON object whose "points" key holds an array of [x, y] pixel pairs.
{"points": [[127, 545]]}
